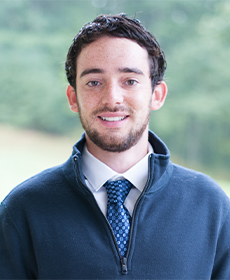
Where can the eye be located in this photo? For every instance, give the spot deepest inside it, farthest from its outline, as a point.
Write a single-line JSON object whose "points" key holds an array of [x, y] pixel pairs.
{"points": [[131, 82], [93, 83]]}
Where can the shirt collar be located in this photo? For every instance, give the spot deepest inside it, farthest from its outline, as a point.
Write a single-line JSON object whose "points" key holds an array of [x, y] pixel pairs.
{"points": [[97, 173]]}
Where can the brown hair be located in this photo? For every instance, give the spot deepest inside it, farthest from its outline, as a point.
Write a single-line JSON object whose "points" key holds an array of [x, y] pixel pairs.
{"points": [[116, 26]]}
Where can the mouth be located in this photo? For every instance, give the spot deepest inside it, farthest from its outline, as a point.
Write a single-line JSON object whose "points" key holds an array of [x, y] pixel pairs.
{"points": [[113, 119]]}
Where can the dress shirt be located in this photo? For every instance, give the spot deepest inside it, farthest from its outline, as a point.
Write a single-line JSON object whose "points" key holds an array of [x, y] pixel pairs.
{"points": [[97, 173]]}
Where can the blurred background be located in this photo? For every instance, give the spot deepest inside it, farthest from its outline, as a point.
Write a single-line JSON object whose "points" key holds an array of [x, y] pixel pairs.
{"points": [[37, 128]]}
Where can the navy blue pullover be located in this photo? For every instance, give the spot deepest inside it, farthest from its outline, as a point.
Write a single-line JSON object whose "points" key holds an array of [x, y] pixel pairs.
{"points": [[52, 228]]}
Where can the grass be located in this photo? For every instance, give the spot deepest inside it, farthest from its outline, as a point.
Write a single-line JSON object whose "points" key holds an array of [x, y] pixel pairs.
{"points": [[225, 186], [25, 153]]}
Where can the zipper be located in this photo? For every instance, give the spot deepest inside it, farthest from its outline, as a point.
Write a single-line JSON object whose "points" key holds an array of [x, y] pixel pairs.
{"points": [[123, 260], [124, 268], [134, 210]]}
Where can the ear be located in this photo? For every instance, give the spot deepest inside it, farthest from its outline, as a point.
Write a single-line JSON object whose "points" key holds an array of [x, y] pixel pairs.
{"points": [[159, 96], [72, 98]]}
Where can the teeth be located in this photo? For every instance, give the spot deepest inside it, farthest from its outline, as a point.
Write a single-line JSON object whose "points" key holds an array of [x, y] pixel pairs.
{"points": [[112, 119]]}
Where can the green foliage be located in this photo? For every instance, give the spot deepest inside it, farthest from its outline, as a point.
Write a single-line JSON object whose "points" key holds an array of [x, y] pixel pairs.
{"points": [[197, 127], [194, 122]]}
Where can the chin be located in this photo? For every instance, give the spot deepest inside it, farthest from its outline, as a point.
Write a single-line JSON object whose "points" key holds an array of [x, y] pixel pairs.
{"points": [[114, 144]]}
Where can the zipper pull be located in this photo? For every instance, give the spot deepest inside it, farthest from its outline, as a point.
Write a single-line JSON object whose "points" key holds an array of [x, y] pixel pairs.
{"points": [[124, 268]]}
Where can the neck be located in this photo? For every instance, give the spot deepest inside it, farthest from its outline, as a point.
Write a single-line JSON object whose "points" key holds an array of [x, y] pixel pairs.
{"points": [[120, 161]]}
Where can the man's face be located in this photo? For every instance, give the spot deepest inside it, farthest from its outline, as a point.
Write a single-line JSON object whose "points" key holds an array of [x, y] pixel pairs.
{"points": [[114, 93]]}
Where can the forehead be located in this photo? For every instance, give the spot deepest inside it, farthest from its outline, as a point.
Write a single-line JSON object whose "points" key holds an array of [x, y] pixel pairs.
{"points": [[108, 52]]}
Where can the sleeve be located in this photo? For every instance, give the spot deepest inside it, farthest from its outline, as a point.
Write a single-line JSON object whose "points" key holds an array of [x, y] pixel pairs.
{"points": [[14, 261], [221, 268]]}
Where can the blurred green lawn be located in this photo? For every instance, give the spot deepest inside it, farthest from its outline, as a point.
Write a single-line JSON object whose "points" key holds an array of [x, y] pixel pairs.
{"points": [[226, 186], [24, 153]]}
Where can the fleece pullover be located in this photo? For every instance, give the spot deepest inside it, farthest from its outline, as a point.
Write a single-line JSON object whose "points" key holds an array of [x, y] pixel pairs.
{"points": [[52, 228]]}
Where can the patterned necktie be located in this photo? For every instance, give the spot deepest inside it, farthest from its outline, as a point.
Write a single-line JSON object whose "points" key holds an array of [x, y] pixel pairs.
{"points": [[117, 214]]}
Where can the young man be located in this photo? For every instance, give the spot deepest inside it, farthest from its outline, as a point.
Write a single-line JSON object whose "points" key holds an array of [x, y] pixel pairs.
{"points": [[118, 207]]}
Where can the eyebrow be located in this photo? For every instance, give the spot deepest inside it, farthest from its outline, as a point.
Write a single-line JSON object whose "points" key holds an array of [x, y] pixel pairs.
{"points": [[90, 71], [131, 70]]}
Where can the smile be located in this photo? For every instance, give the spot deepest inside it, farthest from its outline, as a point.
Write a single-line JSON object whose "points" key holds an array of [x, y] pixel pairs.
{"points": [[113, 119]]}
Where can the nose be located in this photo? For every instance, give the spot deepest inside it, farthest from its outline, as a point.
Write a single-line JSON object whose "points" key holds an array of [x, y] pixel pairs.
{"points": [[113, 94]]}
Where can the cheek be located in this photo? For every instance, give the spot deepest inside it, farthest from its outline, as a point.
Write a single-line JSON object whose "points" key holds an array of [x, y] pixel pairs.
{"points": [[88, 103], [141, 102], [84, 99]]}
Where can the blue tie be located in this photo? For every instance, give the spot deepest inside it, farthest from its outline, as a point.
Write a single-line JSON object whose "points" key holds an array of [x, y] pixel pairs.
{"points": [[117, 214]]}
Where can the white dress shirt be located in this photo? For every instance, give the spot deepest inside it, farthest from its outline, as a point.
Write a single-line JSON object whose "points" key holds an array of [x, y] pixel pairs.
{"points": [[97, 173]]}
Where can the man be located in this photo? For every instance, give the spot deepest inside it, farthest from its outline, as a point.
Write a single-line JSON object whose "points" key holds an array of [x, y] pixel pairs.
{"points": [[118, 208]]}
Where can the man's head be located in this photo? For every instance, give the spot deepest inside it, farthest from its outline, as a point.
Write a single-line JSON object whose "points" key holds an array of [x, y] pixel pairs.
{"points": [[116, 26], [115, 73]]}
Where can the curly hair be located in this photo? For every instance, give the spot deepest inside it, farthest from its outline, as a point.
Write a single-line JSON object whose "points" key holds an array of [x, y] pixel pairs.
{"points": [[116, 26]]}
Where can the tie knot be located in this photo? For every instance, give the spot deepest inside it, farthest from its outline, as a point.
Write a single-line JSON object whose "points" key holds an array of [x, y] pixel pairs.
{"points": [[118, 190]]}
